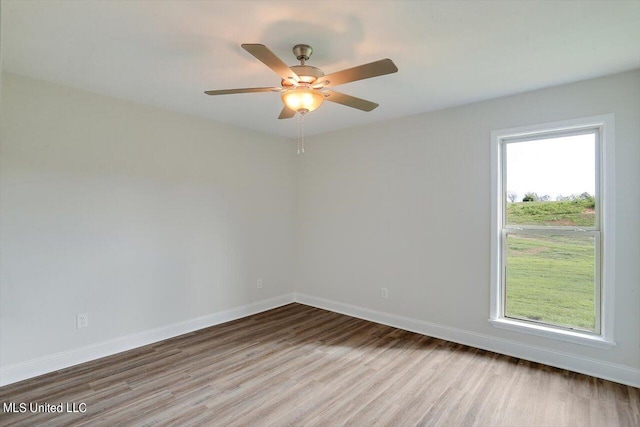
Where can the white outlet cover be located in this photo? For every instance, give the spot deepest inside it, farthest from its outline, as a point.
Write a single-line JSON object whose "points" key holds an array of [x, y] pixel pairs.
{"points": [[259, 283], [82, 320]]}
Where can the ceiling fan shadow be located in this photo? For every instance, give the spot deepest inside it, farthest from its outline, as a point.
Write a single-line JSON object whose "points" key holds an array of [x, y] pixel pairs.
{"points": [[337, 44]]}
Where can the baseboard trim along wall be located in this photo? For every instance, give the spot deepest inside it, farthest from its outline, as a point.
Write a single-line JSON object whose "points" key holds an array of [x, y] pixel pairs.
{"points": [[608, 371], [42, 365]]}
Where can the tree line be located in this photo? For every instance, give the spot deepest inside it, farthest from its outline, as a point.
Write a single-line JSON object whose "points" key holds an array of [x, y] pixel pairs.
{"points": [[533, 197]]}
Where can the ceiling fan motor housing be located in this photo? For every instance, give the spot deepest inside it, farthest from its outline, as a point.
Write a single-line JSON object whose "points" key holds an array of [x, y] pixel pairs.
{"points": [[307, 74]]}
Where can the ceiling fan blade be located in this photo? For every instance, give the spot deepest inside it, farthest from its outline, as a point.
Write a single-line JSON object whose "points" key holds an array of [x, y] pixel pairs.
{"points": [[286, 113], [349, 101], [246, 90], [366, 71], [263, 54]]}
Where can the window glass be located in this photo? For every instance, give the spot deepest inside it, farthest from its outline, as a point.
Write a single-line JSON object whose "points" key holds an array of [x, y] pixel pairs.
{"points": [[551, 279], [551, 182]]}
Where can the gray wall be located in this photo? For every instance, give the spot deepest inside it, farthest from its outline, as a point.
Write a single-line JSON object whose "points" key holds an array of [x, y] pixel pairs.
{"points": [[405, 205], [138, 216]]}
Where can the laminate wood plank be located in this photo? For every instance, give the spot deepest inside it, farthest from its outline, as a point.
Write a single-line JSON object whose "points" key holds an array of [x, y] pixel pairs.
{"points": [[395, 383], [329, 393], [378, 384], [181, 402], [423, 404], [298, 365], [577, 411], [634, 399]]}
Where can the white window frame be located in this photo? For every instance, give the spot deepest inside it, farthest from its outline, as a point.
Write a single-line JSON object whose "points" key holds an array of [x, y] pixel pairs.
{"points": [[605, 244]]}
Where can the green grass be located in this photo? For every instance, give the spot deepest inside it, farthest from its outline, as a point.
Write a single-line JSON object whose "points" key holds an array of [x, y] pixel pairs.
{"points": [[550, 279], [571, 212]]}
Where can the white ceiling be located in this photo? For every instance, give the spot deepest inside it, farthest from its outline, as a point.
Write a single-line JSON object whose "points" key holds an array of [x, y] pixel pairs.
{"points": [[166, 53]]}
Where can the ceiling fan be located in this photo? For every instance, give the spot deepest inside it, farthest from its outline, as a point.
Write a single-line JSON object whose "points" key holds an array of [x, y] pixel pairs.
{"points": [[303, 87]]}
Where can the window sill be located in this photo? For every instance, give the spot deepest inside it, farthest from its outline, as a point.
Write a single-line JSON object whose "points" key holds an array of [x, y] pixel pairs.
{"points": [[553, 333]]}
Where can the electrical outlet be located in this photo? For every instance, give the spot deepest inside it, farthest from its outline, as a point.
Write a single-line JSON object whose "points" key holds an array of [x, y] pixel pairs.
{"points": [[82, 320], [384, 293], [259, 283]]}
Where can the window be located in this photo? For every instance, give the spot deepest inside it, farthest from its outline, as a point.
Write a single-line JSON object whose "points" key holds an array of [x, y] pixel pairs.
{"points": [[552, 233]]}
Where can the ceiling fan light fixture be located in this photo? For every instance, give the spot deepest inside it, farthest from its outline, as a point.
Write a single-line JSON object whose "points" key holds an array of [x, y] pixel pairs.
{"points": [[302, 99]]}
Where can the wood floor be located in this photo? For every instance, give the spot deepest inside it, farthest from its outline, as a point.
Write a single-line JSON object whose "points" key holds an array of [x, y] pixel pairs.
{"points": [[298, 365]]}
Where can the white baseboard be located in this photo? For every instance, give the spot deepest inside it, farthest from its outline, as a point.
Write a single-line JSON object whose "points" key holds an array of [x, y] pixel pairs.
{"points": [[32, 368], [605, 370], [609, 371]]}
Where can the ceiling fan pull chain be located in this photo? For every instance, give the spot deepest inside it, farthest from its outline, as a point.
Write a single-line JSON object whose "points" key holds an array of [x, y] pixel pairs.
{"points": [[302, 131], [298, 138]]}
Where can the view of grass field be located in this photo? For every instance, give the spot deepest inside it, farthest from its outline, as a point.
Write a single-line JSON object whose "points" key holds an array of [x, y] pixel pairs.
{"points": [[550, 278], [577, 212]]}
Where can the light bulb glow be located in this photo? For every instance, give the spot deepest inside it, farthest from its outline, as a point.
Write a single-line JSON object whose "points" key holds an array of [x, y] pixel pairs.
{"points": [[302, 99]]}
